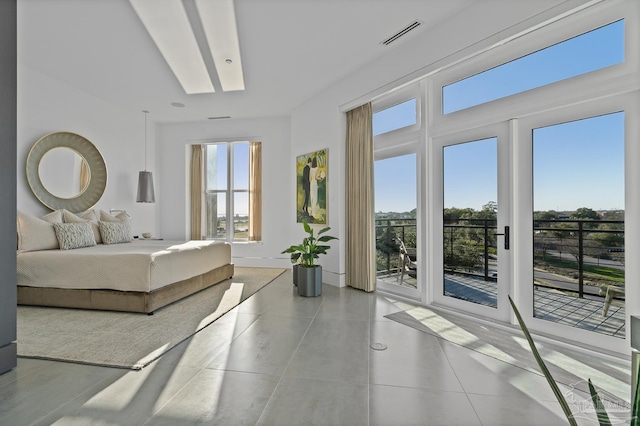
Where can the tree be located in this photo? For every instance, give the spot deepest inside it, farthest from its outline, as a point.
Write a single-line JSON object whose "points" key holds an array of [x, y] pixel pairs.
{"points": [[489, 210], [545, 215], [610, 239], [586, 213]]}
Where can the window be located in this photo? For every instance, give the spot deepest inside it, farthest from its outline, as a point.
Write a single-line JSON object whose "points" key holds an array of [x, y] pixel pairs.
{"points": [[230, 187], [395, 186], [587, 52], [395, 117]]}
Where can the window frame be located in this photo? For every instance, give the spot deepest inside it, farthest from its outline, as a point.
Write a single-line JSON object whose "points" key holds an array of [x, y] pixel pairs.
{"points": [[229, 191]]}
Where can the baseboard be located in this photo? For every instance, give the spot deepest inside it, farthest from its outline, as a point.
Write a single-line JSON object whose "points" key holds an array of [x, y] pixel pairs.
{"points": [[8, 357]]}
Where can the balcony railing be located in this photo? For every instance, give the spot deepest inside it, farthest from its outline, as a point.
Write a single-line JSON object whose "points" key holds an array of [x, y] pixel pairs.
{"points": [[583, 254], [387, 249], [587, 251]]}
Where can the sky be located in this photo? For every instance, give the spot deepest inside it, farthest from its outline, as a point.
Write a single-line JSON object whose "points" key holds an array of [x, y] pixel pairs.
{"points": [[576, 164]]}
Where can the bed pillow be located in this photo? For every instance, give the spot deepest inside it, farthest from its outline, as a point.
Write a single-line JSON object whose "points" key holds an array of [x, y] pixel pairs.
{"points": [[115, 232], [88, 216], [37, 233], [120, 217], [74, 235]]}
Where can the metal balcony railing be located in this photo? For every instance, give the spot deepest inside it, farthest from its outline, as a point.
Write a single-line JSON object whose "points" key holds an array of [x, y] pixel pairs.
{"points": [[586, 251], [387, 249]]}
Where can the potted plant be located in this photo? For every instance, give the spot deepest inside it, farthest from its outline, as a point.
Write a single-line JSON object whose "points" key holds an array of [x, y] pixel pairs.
{"points": [[307, 274]]}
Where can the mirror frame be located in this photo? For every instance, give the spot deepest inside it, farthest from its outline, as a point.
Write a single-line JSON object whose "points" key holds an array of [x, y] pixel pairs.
{"points": [[97, 169]]}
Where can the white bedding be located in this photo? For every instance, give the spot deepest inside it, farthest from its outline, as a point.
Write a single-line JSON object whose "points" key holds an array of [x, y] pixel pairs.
{"points": [[142, 265]]}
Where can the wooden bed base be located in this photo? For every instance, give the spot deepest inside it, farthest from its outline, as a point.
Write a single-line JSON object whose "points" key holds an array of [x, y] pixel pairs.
{"points": [[127, 301]]}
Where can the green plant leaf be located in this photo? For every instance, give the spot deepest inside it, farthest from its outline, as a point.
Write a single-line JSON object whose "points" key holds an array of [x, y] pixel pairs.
{"points": [[323, 230], [291, 249], [635, 409], [307, 228], [603, 418], [547, 374], [326, 238]]}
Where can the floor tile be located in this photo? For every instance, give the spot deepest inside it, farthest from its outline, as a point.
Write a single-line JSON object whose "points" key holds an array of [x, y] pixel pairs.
{"points": [[333, 350], [217, 397], [131, 399], [291, 304], [398, 406], [265, 347], [412, 359], [201, 348], [511, 410], [383, 305], [481, 374], [314, 402], [25, 366], [346, 303], [36, 395]]}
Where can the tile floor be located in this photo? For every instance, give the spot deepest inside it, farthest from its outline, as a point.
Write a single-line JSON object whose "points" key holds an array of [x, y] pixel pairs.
{"points": [[279, 359]]}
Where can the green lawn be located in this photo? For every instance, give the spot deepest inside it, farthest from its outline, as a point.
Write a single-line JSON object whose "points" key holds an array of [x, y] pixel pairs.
{"points": [[603, 272]]}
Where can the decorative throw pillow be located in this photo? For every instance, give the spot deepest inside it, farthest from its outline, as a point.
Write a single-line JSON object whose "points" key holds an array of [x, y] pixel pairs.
{"points": [[115, 232], [120, 217], [89, 216], [74, 235], [37, 234]]}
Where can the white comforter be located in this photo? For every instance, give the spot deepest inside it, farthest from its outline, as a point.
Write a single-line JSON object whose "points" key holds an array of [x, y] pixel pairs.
{"points": [[142, 265]]}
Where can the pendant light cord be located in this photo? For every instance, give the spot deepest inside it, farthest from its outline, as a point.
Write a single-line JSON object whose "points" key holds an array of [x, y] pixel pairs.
{"points": [[145, 139]]}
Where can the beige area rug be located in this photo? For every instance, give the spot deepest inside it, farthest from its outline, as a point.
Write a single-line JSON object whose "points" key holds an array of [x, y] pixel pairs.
{"points": [[130, 340], [568, 365]]}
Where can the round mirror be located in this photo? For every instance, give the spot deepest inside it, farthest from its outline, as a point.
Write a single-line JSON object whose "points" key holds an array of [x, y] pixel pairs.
{"points": [[66, 171]]}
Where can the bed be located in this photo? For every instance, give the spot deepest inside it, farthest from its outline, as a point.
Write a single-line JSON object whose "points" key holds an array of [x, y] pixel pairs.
{"points": [[142, 275]]}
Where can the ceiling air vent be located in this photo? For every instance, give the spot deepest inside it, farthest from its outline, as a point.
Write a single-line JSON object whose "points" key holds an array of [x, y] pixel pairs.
{"points": [[412, 26]]}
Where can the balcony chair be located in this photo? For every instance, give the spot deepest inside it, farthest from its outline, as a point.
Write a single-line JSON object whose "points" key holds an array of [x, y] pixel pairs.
{"points": [[408, 263], [610, 292]]}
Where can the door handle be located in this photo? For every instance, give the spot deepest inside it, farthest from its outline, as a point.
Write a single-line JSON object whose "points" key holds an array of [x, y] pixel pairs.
{"points": [[506, 237]]}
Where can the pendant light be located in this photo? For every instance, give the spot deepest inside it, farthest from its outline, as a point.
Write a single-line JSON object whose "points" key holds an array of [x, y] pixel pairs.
{"points": [[146, 193]]}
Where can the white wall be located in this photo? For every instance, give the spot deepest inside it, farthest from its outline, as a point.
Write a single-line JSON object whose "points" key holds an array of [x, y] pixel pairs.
{"points": [[46, 105], [320, 122], [278, 208]]}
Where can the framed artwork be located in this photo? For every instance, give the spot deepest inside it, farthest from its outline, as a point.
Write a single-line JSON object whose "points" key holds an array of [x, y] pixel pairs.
{"points": [[311, 187]]}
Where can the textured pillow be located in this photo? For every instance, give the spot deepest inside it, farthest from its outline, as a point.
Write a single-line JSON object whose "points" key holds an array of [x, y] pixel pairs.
{"points": [[74, 235], [115, 232], [89, 216], [120, 217], [37, 234]]}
